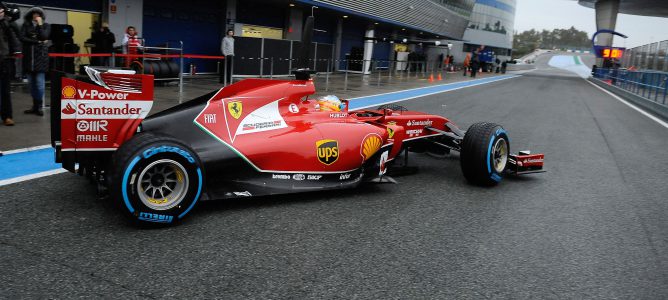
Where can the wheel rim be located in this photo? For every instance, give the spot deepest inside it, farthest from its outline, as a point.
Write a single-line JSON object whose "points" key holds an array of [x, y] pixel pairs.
{"points": [[162, 184], [500, 155]]}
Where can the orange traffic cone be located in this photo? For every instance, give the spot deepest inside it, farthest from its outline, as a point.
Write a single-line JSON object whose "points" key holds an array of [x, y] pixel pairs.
{"points": [[431, 78], [440, 77]]}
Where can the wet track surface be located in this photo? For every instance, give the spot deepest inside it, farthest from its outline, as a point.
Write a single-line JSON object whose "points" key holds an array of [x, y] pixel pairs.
{"points": [[593, 226]]}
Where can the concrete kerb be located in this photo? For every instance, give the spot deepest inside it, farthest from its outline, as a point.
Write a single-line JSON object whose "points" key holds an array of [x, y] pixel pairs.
{"points": [[656, 108]]}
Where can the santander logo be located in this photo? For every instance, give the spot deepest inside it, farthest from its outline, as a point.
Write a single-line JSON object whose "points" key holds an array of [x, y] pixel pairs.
{"points": [[68, 110]]}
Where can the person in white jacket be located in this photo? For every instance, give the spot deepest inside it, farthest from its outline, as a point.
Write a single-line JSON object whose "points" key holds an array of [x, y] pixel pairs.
{"points": [[227, 48]]}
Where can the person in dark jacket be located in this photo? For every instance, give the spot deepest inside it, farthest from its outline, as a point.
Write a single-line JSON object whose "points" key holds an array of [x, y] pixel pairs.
{"points": [[35, 37], [9, 45], [104, 40]]}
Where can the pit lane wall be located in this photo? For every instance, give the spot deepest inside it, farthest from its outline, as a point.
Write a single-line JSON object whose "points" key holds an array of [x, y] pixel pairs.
{"points": [[645, 89]]}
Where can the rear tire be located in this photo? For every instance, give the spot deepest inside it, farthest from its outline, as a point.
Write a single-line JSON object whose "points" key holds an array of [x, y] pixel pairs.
{"points": [[155, 179], [484, 154]]}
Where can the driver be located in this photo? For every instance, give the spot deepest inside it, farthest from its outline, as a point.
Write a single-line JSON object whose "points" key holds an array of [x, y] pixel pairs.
{"points": [[330, 103]]}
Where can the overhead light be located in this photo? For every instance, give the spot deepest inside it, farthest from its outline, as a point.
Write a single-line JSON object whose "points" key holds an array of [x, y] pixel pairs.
{"points": [[292, 4], [403, 29], [375, 23], [345, 17]]}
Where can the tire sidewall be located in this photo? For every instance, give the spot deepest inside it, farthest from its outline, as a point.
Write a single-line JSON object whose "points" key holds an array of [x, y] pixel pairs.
{"points": [[143, 157], [497, 133]]}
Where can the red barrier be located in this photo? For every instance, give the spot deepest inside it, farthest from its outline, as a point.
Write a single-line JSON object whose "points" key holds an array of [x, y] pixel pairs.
{"points": [[134, 55]]}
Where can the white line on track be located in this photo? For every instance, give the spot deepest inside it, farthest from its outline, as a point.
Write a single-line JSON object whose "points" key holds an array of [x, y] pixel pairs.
{"points": [[653, 118], [429, 94], [25, 149], [31, 176]]}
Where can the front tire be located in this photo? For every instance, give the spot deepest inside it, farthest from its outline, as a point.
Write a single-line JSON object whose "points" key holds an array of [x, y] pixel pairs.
{"points": [[156, 179], [484, 154]]}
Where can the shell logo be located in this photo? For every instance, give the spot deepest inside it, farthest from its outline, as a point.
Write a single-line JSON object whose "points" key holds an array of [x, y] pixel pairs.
{"points": [[370, 146], [69, 92]]}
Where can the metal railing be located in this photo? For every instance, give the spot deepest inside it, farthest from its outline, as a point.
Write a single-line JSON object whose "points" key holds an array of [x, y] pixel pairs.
{"points": [[650, 85]]}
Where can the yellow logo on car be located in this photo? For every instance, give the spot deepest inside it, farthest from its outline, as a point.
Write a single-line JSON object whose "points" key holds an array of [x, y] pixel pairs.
{"points": [[390, 132], [235, 108], [69, 92], [328, 151], [370, 146]]}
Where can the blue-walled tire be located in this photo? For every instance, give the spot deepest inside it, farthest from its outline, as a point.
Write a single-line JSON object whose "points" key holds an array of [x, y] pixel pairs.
{"points": [[155, 179], [484, 154]]}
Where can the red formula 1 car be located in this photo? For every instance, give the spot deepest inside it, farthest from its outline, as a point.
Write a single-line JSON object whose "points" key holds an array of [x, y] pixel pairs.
{"points": [[255, 137]]}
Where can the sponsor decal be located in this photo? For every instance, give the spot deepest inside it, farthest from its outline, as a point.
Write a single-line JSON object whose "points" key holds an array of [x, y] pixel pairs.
{"points": [[84, 125], [93, 109], [83, 109], [392, 123], [344, 176], [261, 125], [390, 132], [532, 160], [162, 149], [69, 92], [97, 95], [68, 110], [314, 177], [210, 118], [383, 163], [370, 145], [265, 118], [92, 138], [327, 151], [338, 115], [420, 123], [235, 108], [293, 108], [299, 177], [413, 132], [280, 176], [243, 194], [158, 218]]}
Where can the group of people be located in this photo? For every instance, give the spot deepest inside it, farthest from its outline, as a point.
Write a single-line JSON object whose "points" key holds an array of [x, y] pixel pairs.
{"points": [[103, 40], [32, 41], [472, 64]]}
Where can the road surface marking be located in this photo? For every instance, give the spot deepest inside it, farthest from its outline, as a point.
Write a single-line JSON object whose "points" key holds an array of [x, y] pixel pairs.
{"points": [[655, 119]]}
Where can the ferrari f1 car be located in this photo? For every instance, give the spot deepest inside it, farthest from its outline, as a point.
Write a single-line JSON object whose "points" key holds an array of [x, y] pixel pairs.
{"points": [[255, 137]]}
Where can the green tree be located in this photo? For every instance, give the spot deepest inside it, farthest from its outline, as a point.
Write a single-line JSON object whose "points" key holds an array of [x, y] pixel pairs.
{"points": [[530, 40]]}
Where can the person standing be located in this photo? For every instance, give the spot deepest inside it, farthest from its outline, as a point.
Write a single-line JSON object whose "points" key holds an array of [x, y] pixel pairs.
{"points": [[9, 44], [467, 62], [35, 37], [227, 48], [104, 40], [475, 62], [131, 44]]}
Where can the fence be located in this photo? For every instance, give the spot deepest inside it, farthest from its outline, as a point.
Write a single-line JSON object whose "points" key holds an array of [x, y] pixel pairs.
{"points": [[653, 56], [650, 85]]}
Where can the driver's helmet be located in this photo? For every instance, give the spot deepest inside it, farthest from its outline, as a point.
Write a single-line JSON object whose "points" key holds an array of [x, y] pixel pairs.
{"points": [[330, 103]]}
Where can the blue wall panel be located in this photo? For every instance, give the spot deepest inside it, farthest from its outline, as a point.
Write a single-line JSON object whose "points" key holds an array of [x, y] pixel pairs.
{"points": [[198, 26]]}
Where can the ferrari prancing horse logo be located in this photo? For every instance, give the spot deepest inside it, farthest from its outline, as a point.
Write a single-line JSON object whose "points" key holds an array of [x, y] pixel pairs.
{"points": [[235, 108]]}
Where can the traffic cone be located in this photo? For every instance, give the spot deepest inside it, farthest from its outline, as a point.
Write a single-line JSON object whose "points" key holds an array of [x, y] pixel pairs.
{"points": [[431, 78], [440, 77]]}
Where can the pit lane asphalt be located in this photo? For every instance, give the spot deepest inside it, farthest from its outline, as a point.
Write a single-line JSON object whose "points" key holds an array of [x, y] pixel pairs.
{"points": [[593, 226]]}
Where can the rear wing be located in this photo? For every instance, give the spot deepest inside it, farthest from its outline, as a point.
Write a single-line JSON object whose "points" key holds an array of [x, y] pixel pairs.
{"points": [[96, 113]]}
